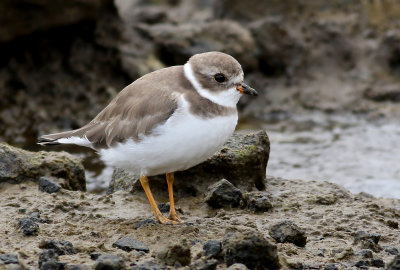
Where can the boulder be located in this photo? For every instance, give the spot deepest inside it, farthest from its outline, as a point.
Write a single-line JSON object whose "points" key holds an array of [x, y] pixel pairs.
{"points": [[17, 166], [242, 161]]}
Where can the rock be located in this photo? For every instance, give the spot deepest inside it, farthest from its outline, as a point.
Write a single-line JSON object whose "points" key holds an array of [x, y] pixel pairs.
{"points": [[288, 232], [223, 194], [242, 160], [177, 43], [22, 21], [164, 207], [52, 265], [212, 248], [108, 262], [9, 258], [394, 264], [204, 265], [368, 240], [392, 250], [365, 253], [251, 249], [77, 267], [17, 166], [175, 254], [60, 247], [48, 185], [148, 265], [257, 202], [144, 223], [49, 257], [28, 226], [331, 266], [378, 263], [237, 266], [393, 224], [129, 244]]}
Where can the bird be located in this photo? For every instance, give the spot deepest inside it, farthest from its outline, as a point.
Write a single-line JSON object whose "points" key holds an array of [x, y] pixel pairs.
{"points": [[166, 121]]}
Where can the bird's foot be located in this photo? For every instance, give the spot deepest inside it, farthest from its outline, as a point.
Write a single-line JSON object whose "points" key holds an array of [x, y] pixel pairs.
{"points": [[174, 217], [163, 220]]}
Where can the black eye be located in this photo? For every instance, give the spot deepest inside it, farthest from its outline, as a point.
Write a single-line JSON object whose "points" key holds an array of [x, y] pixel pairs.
{"points": [[219, 77]]}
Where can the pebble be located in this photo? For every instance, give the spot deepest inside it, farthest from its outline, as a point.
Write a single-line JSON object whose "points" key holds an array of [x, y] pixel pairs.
{"points": [[108, 262], [129, 244], [48, 185], [365, 253], [48, 259], [392, 250], [164, 207], [257, 202], [9, 258], [223, 194], [204, 265], [28, 226], [144, 223], [175, 254], [60, 247], [251, 249], [331, 266], [212, 248], [288, 232]]}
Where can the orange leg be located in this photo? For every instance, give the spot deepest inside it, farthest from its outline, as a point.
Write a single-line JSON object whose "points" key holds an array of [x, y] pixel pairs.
{"points": [[159, 217], [172, 212]]}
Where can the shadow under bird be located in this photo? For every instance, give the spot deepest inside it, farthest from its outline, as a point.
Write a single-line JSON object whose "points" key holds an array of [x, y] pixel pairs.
{"points": [[166, 121]]}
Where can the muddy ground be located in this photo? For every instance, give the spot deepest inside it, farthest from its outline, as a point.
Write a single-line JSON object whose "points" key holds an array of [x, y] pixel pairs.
{"points": [[330, 216]]}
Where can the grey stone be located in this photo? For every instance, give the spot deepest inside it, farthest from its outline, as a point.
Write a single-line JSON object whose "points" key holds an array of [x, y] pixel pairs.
{"points": [[394, 264], [242, 160], [175, 254], [17, 166], [392, 250], [47, 256], [331, 266], [257, 202], [61, 247], [129, 244], [251, 249], [288, 232], [48, 185], [53, 265], [361, 235], [378, 263], [9, 258], [204, 264], [365, 253], [77, 267], [148, 265], [28, 226], [163, 207], [145, 223], [223, 194], [212, 248], [108, 262]]}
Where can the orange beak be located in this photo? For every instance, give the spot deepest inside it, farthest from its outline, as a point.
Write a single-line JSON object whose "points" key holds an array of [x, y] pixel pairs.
{"points": [[245, 89]]}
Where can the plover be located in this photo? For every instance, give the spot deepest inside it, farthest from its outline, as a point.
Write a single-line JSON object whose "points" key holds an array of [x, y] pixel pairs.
{"points": [[166, 121]]}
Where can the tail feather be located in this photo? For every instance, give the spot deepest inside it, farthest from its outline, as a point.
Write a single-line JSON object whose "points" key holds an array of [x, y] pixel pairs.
{"points": [[52, 139]]}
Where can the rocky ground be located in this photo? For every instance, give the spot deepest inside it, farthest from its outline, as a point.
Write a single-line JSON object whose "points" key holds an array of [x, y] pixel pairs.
{"points": [[290, 224]]}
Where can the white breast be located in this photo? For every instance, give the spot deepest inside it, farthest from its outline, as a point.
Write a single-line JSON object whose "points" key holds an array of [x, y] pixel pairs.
{"points": [[184, 141]]}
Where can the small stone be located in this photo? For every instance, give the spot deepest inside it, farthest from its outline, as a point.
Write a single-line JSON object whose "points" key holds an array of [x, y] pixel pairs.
{"points": [[53, 265], [61, 247], [251, 249], [392, 250], [288, 232], [212, 248], [145, 223], [48, 255], [393, 224], [257, 202], [223, 194], [394, 264], [9, 258], [325, 199], [361, 235], [365, 253], [108, 262], [331, 266], [95, 255], [48, 185], [77, 267], [378, 263], [129, 244], [175, 253], [164, 207], [362, 263], [237, 266], [28, 226], [204, 265]]}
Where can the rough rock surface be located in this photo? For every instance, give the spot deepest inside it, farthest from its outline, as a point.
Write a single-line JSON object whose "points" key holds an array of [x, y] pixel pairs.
{"points": [[48, 185], [109, 261], [242, 161], [257, 202], [288, 232], [251, 249], [129, 244], [17, 166], [223, 194]]}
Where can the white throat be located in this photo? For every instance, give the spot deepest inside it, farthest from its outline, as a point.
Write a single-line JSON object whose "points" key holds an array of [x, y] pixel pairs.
{"points": [[228, 98]]}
